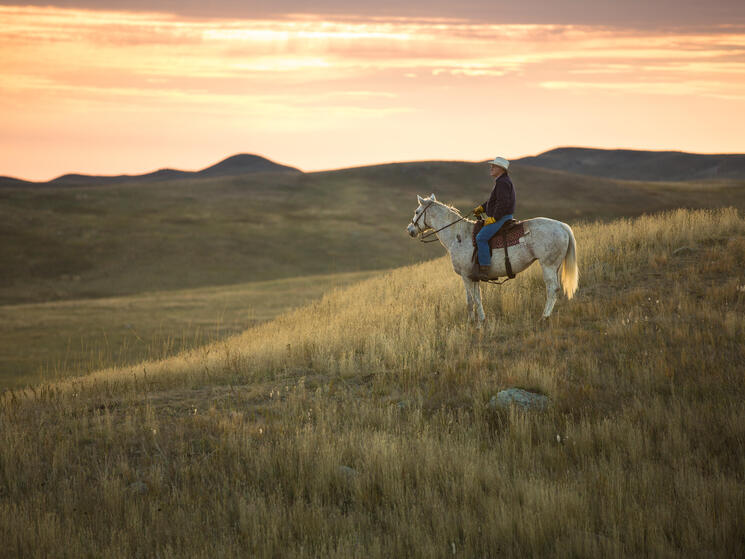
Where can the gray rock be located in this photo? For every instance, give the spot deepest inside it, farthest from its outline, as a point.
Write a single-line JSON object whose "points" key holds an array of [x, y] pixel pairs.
{"points": [[519, 397]]}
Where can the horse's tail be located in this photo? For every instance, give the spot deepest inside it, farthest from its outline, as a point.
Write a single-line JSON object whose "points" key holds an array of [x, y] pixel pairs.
{"points": [[569, 270]]}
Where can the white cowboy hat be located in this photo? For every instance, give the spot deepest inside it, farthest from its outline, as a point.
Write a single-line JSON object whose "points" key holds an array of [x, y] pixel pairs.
{"points": [[501, 162]]}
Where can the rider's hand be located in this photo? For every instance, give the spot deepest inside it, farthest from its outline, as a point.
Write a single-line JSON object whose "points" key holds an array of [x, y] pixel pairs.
{"points": [[479, 210], [489, 221]]}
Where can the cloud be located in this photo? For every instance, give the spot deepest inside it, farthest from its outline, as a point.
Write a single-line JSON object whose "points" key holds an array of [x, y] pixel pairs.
{"points": [[109, 51], [711, 89], [637, 13]]}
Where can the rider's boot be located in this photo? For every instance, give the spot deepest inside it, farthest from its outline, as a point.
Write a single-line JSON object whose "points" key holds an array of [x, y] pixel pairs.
{"points": [[484, 273]]}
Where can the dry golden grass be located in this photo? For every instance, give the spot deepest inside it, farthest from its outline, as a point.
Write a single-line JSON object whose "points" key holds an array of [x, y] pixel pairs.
{"points": [[359, 425], [45, 342]]}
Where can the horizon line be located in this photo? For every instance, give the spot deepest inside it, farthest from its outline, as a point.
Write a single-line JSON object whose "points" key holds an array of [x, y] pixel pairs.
{"points": [[358, 166]]}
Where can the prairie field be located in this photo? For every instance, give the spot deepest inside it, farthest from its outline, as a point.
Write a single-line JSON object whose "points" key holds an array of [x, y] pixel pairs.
{"points": [[360, 424], [44, 342]]}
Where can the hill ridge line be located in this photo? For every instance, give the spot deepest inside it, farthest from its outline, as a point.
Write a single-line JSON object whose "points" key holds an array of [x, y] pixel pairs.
{"points": [[617, 163], [237, 164]]}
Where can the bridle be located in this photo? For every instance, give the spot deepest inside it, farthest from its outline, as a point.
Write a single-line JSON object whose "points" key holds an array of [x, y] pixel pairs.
{"points": [[425, 238]]}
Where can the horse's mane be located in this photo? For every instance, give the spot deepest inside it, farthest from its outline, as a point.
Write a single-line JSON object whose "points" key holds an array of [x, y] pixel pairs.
{"points": [[453, 209]]}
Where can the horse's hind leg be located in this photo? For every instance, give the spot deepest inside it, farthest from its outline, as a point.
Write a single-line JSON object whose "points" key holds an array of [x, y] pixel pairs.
{"points": [[553, 286]]}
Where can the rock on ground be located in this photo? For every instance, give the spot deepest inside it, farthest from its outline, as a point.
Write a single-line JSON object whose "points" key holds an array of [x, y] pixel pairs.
{"points": [[519, 397]]}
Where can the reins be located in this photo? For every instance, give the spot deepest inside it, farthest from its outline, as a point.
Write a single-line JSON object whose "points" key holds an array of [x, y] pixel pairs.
{"points": [[425, 237]]}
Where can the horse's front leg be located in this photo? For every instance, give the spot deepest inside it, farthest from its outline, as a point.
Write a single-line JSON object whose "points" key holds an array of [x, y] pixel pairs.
{"points": [[470, 302], [475, 308], [477, 299]]}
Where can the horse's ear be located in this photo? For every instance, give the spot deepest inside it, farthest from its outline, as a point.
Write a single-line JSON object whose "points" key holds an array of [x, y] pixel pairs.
{"points": [[432, 197], [419, 199]]}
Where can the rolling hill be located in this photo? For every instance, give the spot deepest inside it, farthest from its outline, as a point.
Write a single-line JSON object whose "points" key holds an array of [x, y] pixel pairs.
{"points": [[154, 246], [639, 165], [239, 164], [152, 235], [40, 342], [623, 164]]}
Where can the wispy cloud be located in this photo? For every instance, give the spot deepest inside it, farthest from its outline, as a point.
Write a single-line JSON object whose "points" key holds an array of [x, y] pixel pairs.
{"points": [[638, 13], [36, 40], [684, 88]]}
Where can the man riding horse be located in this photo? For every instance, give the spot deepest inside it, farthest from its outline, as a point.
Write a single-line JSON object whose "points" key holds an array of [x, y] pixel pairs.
{"points": [[498, 209]]}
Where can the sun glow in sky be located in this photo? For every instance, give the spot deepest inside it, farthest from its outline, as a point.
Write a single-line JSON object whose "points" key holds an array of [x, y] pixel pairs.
{"points": [[110, 92]]}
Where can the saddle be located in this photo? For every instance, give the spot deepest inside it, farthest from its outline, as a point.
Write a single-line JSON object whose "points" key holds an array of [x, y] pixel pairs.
{"points": [[508, 235]]}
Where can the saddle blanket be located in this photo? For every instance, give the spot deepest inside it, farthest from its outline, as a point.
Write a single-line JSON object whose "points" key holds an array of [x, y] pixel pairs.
{"points": [[514, 234]]}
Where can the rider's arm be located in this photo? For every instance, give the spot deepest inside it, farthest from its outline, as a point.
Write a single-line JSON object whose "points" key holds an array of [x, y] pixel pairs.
{"points": [[482, 208]]}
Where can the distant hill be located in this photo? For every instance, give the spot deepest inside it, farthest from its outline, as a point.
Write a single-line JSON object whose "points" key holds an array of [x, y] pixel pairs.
{"points": [[11, 182], [638, 165], [240, 164], [623, 164], [197, 230], [244, 163]]}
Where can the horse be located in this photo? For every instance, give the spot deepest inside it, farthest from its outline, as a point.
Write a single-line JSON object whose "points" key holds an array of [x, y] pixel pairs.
{"points": [[549, 241]]}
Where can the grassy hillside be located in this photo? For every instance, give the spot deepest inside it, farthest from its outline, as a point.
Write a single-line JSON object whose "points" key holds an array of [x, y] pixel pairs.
{"points": [[90, 242], [628, 164], [41, 342], [360, 425]]}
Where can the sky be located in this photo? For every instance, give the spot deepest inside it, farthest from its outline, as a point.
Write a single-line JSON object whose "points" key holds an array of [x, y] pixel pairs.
{"points": [[110, 87]]}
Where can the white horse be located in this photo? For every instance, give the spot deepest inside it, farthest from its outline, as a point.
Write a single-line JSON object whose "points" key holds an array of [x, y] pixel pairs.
{"points": [[549, 241]]}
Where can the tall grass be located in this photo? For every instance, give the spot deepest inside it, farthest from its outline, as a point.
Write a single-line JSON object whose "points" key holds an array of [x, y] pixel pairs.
{"points": [[45, 342], [360, 425]]}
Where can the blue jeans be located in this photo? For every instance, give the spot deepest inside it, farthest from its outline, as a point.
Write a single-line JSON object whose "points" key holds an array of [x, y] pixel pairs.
{"points": [[482, 239]]}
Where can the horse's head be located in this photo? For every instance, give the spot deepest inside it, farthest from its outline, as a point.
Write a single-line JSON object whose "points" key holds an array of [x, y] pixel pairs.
{"points": [[419, 223]]}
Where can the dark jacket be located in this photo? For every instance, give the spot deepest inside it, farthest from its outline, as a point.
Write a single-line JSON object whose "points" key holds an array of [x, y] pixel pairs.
{"points": [[501, 201]]}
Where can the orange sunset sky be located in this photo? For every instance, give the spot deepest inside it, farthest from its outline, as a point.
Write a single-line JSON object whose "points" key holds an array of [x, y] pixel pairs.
{"points": [[109, 88]]}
